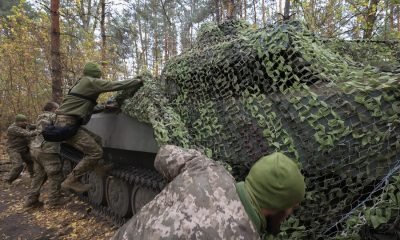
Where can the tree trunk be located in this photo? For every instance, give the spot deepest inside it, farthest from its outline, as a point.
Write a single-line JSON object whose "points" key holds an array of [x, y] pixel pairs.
{"points": [[103, 33], [245, 9], [370, 18], [391, 16], [263, 12], [398, 18], [286, 12], [217, 16], [55, 52], [255, 12], [230, 8]]}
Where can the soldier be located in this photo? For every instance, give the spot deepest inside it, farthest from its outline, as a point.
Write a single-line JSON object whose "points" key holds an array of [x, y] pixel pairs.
{"points": [[76, 110], [18, 147], [47, 164], [202, 200]]}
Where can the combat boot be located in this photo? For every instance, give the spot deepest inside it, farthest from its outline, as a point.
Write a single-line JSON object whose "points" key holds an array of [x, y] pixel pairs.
{"points": [[57, 202], [72, 183], [32, 203], [102, 169]]}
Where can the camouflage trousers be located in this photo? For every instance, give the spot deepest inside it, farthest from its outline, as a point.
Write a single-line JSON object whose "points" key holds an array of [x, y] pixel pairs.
{"points": [[47, 166], [86, 142], [18, 159]]}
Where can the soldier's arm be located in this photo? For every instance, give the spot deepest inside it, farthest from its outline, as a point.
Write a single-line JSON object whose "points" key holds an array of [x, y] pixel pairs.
{"points": [[20, 132], [42, 121], [172, 160], [100, 85]]}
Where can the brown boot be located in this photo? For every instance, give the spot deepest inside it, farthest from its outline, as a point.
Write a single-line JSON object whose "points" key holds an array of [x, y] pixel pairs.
{"points": [[56, 202], [32, 203], [72, 183], [102, 169]]}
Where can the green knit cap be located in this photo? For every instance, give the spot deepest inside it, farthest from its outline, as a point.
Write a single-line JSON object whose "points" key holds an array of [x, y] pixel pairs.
{"points": [[92, 69], [275, 182], [20, 118]]}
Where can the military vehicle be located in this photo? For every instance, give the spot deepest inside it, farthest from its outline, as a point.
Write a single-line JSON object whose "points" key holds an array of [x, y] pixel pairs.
{"points": [[133, 181], [241, 93]]}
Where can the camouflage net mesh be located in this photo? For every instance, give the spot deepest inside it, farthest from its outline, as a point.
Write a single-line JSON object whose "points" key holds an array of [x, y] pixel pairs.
{"points": [[242, 93], [385, 55]]}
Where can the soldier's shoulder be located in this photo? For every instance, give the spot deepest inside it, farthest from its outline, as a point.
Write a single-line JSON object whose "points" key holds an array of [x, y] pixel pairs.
{"points": [[12, 127], [46, 115]]}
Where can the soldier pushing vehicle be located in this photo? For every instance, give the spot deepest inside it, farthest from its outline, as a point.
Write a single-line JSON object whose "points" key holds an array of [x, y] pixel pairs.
{"points": [[75, 111], [18, 147], [203, 201]]}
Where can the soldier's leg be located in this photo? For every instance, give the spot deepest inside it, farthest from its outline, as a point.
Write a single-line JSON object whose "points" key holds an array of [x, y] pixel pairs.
{"points": [[52, 167], [27, 158], [17, 166], [93, 152], [37, 182]]}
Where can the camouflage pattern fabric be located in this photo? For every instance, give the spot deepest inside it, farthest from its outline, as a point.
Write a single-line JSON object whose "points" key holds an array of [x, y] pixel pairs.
{"points": [[84, 141], [18, 159], [44, 119], [47, 162], [46, 165], [19, 138], [18, 150], [200, 202]]}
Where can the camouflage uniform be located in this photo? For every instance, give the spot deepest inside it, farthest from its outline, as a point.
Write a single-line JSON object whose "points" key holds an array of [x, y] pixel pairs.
{"points": [[47, 163], [18, 151], [84, 141], [77, 108], [200, 202]]}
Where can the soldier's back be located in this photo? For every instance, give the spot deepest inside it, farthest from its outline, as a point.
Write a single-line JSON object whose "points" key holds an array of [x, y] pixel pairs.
{"points": [[200, 203]]}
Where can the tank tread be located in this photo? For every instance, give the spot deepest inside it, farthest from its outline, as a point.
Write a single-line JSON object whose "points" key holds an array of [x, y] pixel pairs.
{"points": [[134, 176], [147, 178], [138, 176], [104, 212]]}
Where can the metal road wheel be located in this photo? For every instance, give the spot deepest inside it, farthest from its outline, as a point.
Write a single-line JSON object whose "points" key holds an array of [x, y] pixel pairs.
{"points": [[118, 195], [96, 193], [141, 196]]}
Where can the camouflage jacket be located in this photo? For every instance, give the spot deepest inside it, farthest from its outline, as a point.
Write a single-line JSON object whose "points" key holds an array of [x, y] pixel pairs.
{"points": [[39, 144], [18, 138], [200, 202]]}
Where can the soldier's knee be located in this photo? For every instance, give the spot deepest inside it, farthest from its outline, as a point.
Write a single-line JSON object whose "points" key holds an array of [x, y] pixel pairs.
{"points": [[54, 172], [18, 166], [97, 153], [40, 175]]}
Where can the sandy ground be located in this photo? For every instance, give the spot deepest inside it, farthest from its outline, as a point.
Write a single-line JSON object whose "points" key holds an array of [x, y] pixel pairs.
{"points": [[74, 220]]}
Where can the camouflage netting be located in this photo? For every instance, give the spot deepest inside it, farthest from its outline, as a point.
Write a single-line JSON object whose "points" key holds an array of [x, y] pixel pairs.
{"points": [[249, 92], [385, 55]]}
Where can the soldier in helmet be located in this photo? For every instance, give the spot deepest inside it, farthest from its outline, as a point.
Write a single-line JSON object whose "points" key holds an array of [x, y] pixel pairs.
{"points": [[18, 140], [47, 163], [76, 110], [202, 200]]}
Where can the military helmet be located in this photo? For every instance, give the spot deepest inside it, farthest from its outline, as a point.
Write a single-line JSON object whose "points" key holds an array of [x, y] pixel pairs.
{"points": [[20, 118]]}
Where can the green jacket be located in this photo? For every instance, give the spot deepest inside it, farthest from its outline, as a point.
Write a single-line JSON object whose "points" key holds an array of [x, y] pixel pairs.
{"points": [[92, 88]]}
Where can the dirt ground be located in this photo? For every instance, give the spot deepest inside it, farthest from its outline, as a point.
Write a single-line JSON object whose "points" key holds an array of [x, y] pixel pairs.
{"points": [[75, 220]]}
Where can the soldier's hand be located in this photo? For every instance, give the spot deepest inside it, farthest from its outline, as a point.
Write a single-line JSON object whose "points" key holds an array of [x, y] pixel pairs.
{"points": [[35, 133], [31, 126]]}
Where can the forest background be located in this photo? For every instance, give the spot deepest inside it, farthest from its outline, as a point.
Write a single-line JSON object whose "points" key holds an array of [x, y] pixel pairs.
{"points": [[44, 44]]}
